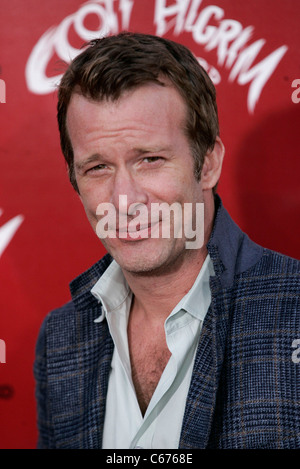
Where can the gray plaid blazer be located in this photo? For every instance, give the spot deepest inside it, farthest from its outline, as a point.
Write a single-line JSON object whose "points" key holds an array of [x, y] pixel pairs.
{"points": [[245, 388]]}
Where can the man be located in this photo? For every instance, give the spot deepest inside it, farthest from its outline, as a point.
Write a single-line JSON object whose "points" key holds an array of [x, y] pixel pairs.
{"points": [[162, 345]]}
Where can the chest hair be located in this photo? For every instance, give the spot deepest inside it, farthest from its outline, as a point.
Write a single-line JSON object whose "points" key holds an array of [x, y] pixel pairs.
{"points": [[149, 356]]}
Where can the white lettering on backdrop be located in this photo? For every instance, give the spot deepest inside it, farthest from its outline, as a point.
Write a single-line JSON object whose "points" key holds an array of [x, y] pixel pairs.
{"points": [[8, 230], [207, 25]]}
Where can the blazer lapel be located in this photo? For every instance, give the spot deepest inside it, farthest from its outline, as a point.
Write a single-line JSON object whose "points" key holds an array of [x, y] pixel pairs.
{"points": [[201, 397], [78, 372], [95, 357]]}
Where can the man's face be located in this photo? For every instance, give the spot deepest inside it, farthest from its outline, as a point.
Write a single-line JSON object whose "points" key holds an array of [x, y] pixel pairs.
{"points": [[135, 147]]}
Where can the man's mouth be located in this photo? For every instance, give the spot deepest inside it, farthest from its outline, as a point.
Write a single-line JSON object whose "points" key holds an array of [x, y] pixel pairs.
{"points": [[138, 232]]}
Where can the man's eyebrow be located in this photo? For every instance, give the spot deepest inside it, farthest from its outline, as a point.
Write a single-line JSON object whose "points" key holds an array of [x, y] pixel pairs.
{"points": [[155, 149], [79, 165]]}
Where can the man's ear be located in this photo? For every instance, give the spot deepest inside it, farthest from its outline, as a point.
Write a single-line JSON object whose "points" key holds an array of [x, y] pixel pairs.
{"points": [[212, 165]]}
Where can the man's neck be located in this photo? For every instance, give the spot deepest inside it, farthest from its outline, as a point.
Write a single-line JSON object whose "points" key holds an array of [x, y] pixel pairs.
{"points": [[156, 294]]}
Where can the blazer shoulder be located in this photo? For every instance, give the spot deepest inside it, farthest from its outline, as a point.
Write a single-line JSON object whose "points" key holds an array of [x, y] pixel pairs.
{"points": [[273, 262], [275, 277]]}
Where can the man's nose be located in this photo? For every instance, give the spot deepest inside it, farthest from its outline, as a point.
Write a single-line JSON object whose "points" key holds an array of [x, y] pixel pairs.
{"points": [[128, 192]]}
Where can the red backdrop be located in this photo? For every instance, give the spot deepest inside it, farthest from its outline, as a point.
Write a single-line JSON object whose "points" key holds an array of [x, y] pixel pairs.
{"points": [[250, 50]]}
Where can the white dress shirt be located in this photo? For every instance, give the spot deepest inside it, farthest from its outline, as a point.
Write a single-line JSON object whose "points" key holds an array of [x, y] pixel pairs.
{"points": [[125, 427]]}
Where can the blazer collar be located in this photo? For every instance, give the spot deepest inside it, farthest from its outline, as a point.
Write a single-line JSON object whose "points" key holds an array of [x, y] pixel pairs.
{"points": [[81, 286], [231, 250]]}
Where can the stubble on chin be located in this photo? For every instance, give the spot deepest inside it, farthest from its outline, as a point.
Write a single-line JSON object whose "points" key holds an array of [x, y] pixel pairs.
{"points": [[144, 265]]}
